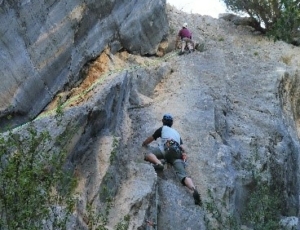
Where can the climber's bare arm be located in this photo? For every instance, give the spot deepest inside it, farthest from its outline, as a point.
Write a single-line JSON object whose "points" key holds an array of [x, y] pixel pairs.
{"points": [[147, 141]]}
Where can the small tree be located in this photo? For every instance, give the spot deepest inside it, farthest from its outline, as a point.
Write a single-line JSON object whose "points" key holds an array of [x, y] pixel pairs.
{"points": [[278, 18], [286, 26]]}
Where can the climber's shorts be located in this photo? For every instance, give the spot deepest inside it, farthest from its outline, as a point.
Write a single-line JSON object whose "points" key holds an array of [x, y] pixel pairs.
{"points": [[187, 41], [178, 165], [156, 151], [180, 171]]}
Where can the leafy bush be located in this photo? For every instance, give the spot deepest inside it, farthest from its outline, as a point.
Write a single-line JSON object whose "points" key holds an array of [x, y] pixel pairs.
{"points": [[286, 26], [280, 19], [32, 194], [123, 225], [263, 205], [262, 209], [218, 215]]}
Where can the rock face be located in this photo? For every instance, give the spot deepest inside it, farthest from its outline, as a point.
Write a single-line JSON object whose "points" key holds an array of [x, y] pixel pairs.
{"points": [[236, 106], [45, 44]]}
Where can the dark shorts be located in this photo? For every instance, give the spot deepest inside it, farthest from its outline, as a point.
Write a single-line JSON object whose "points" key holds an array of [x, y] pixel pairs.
{"points": [[178, 165]]}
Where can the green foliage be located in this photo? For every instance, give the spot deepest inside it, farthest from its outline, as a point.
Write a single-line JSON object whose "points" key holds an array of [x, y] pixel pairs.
{"points": [[219, 216], [263, 11], [123, 225], [261, 212], [280, 19], [286, 26], [115, 146], [30, 178], [98, 219], [263, 205], [200, 47], [59, 110], [262, 208], [172, 30]]}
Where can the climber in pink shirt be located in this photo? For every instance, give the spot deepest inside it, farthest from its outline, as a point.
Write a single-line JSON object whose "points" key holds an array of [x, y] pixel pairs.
{"points": [[186, 39]]}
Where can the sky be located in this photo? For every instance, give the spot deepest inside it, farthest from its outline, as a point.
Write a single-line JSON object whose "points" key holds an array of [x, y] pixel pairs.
{"points": [[203, 7]]}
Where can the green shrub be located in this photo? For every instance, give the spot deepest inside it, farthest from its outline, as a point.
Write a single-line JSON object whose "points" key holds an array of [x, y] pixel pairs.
{"points": [[219, 217], [115, 146], [32, 194], [286, 26], [262, 209], [263, 205], [279, 19], [200, 47], [123, 225]]}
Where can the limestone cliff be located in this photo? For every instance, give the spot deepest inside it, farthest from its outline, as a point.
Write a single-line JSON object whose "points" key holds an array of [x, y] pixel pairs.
{"points": [[45, 44], [235, 106]]}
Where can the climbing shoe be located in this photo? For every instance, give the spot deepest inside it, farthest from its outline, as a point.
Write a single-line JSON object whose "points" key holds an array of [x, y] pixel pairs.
{"points": [[158, 167], [197, 198]]}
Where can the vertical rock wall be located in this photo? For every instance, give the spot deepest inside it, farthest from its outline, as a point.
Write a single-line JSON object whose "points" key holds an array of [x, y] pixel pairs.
{"points": [[45, 44]]}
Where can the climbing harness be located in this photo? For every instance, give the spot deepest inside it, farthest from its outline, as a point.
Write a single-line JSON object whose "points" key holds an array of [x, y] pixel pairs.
{"points": [[173, 151]]}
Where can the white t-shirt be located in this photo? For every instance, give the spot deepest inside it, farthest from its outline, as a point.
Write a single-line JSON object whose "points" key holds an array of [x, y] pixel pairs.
{"points": [[166, 133]]}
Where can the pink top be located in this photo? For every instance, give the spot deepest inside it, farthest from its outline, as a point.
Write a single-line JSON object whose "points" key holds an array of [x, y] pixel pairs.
{"points": [[185, 33]]}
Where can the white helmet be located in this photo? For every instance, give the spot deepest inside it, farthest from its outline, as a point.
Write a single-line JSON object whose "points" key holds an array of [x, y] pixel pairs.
{"points": [[184, 25]]}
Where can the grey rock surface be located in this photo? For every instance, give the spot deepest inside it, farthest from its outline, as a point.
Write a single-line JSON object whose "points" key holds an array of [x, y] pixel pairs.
{"points": [[235, 106], [45, 44]]}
